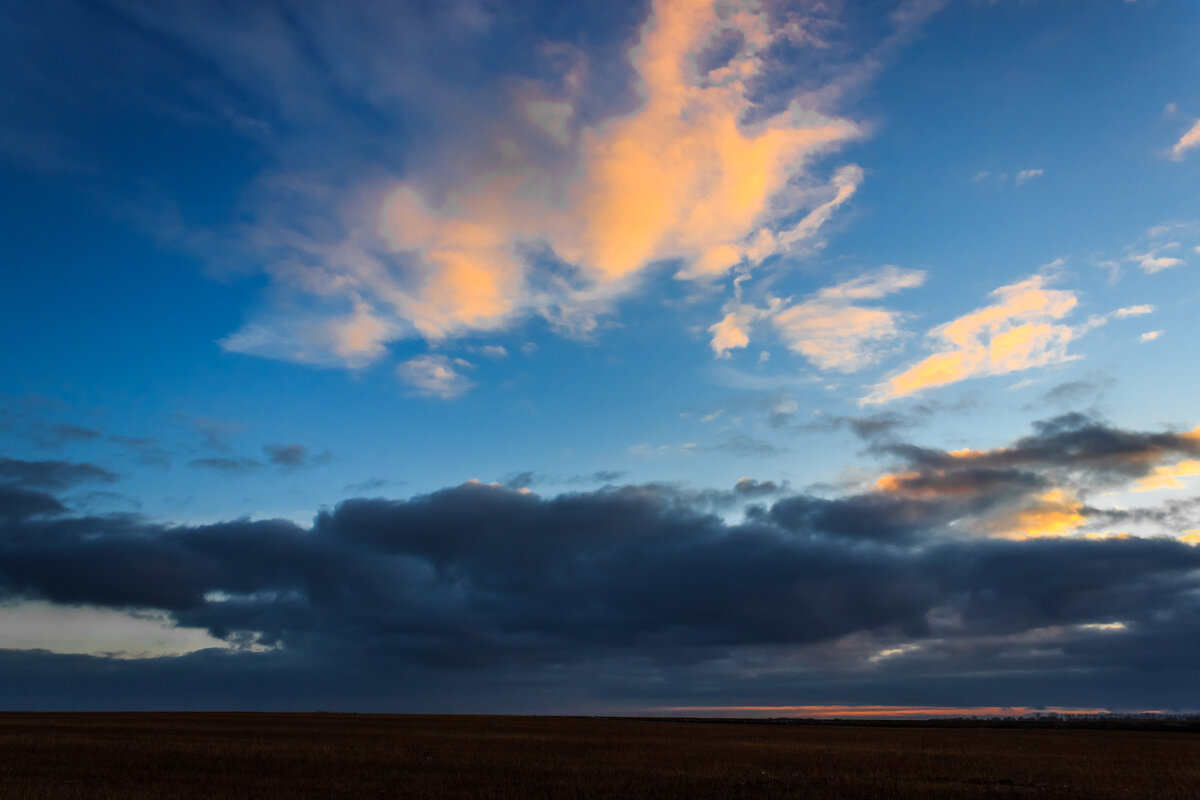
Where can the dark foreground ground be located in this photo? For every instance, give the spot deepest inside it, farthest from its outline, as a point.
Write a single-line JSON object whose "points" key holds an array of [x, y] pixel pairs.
{"points": [[412, 757]]}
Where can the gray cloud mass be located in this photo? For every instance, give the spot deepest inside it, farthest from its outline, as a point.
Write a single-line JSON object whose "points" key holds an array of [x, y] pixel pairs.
{"points": [[605, 593]]}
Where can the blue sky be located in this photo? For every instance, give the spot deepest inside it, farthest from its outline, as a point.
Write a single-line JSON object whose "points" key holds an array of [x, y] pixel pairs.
{"points": [[266, 258]]}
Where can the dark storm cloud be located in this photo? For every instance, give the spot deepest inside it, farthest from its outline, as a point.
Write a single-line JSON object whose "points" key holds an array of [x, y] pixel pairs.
{"points": [[621, 588], [1076, 443], [483, 578], [17, 503], [54, 475], [479, 574]]}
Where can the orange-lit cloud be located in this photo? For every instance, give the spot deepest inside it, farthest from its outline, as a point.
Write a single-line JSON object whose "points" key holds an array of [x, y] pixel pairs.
{"points": [[880, 712], [1052, 513], [1186, 142], [680, 177], [1019, 331], [1167, 476]]}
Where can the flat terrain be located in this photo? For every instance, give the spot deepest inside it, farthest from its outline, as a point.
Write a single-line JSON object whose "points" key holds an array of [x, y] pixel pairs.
{"points": [[363, 756]]}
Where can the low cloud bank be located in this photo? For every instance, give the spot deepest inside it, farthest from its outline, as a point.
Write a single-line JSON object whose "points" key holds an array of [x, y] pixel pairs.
{"points": [[634, 595]]}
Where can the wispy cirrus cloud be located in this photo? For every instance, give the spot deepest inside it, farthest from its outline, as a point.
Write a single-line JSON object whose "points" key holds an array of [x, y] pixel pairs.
{"points": [[1026, 175], [832, 327]]}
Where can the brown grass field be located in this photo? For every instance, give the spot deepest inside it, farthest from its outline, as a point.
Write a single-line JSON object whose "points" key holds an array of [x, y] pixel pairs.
{"points": [[365, 756]]}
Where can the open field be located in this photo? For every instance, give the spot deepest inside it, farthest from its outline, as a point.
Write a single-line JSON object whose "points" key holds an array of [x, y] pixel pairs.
{"points": [[336, 755]]}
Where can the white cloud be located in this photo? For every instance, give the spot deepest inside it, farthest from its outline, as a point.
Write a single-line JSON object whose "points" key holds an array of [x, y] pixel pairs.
{"points": [[1150, 336], [1134, 311], [833, 332], [828, 327], [435, 376], [1026, 175], [491, 351], [1151, 262]]}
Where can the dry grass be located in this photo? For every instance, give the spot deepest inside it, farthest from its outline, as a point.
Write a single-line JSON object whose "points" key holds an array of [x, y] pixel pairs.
{"points": [[363, 756]]}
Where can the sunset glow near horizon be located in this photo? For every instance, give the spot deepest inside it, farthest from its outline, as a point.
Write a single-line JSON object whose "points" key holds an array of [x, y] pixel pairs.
{"points": [[592, 356]]}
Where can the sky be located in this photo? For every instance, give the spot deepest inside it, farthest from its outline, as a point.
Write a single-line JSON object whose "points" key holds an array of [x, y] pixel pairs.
{"points": [[738, 357]]}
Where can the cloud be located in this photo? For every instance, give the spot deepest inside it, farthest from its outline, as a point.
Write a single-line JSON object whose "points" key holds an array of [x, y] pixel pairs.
{"points": [[146, 448], [1027, 175], [834, 333], [434, 376], [1074, 452], [744, 445], [732, 332], [55, 475], [868, 427], [655, 184], [491, 351], [411, 204], [230, 465], [18, 503], [1167, 476], [65, 432], [1004, 178], [294, 456], [1134, 311], [1020, 331], [1151, 262], [936, 565], [214, 432], [1186, 142], [830, 327], [1073, 394], [1150, 336]]}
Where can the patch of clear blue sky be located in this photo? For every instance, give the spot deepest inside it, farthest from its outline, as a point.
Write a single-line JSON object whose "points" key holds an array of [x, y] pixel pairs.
{"points": [[111, 307]]}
